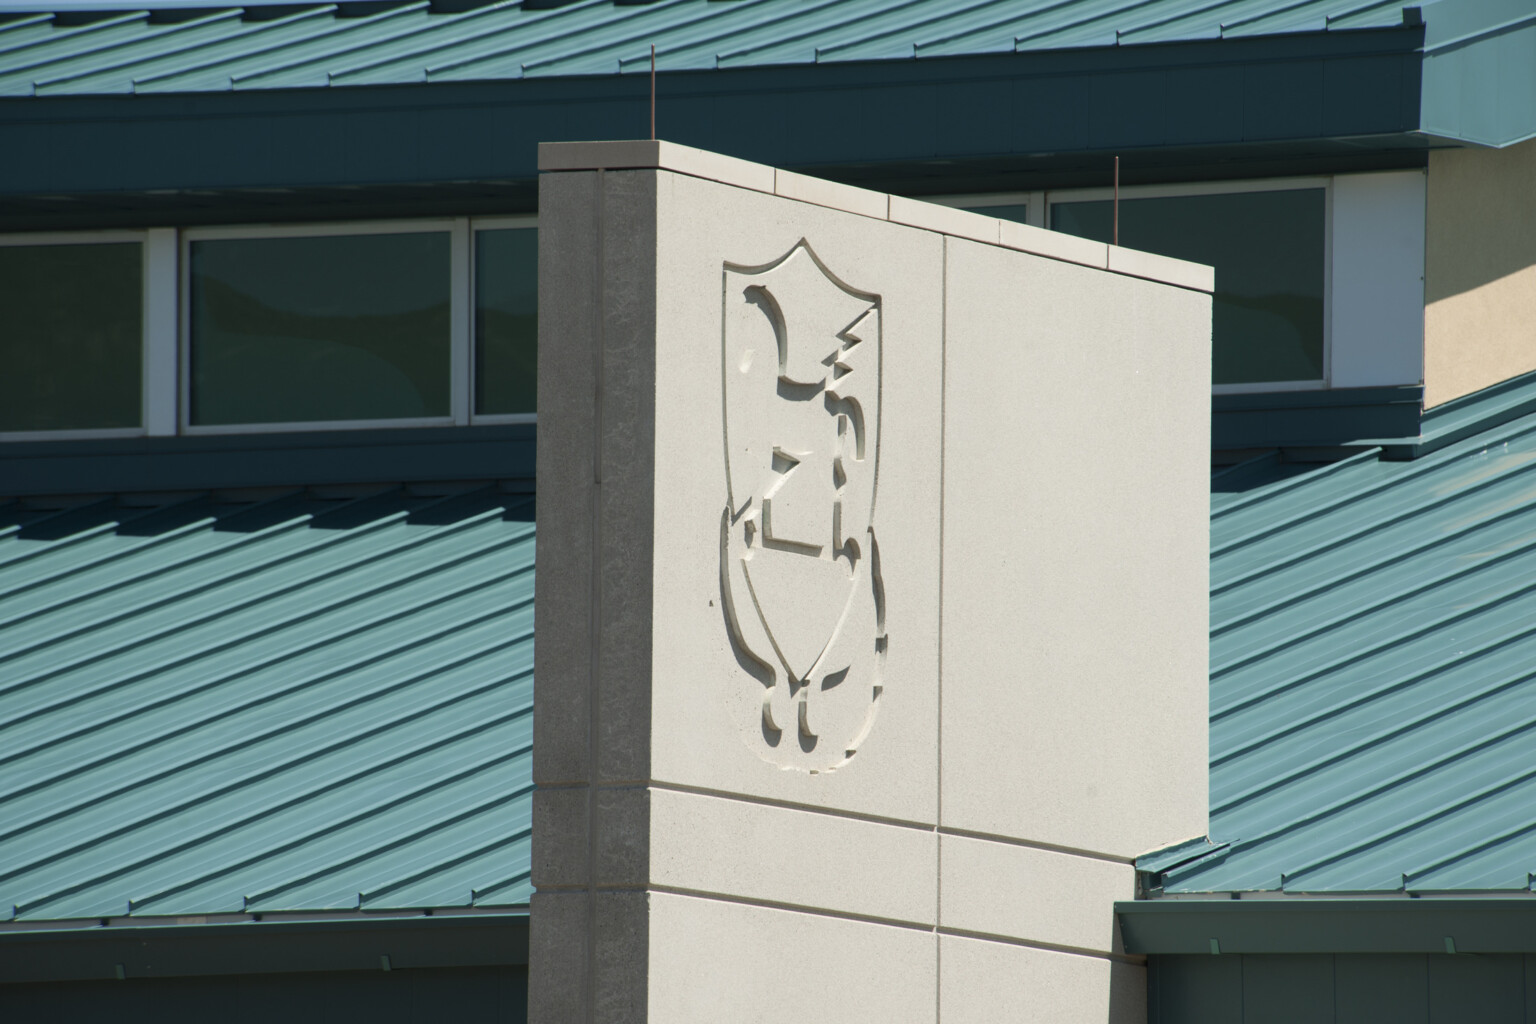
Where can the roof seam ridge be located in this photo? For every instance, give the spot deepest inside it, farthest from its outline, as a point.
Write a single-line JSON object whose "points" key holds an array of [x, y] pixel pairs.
{"points": [[1463, 612], [1423, 585], [186, 844], [330, 828], [186, 26], [1377, 739], [204, 525], [1404, 514], [1403, 828], [1365, 569], [1475, 848], [246, 670], [73, 32], [1281, 487], [411, 7], [1461, 657], [286, 589], [500, 842], [308, 14]]}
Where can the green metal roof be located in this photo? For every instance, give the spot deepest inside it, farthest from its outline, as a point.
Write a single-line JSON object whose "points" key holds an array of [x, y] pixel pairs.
{"points": [[1373, 667], [237, 706], [236, 48]]}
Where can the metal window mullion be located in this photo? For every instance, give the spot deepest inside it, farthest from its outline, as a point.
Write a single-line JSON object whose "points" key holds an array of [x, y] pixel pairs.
{"points": [[459, 322], [1034, 209], [184, 333], [160, 341], [1328, 264], [491, 224]]}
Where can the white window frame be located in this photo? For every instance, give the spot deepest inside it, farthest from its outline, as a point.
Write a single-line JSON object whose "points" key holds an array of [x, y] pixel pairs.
{"points": [[166, 342], [150, 326], [458, 327], [1207, 188], [1034, 203], [477, 224]]}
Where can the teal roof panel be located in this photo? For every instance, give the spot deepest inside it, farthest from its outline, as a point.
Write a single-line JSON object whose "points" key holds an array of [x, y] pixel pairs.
{"points": [[244, 706], [255, 47], [1373, 669]]}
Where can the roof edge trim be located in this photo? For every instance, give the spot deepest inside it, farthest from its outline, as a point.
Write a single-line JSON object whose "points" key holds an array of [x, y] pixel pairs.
{"points": [[278, 947], [1312, 925]]}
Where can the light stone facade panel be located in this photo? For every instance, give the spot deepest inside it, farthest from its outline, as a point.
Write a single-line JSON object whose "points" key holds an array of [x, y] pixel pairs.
{"points": [[789, 856], [705, 714], [761, 965], [1075, 569], [994, 982], [846, 519], [1042, 896]]}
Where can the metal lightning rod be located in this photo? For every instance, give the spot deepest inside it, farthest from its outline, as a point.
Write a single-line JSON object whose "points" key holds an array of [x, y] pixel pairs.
{"points": [[1117, 186]]}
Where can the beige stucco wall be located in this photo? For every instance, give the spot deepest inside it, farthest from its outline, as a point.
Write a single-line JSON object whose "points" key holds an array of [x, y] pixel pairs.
{"points": [[1479, 269], [943, 830]]}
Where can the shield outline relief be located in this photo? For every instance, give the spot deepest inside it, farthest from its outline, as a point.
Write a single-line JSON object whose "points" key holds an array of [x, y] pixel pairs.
{"points": [[822, 690]]}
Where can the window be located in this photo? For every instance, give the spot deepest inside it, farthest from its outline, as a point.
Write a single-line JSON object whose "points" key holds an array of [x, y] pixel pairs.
{"points": [[242, 329], [506, 321], [71, 334], [1023, 207], [1281, 294], [1269, 248], [304, 328]]}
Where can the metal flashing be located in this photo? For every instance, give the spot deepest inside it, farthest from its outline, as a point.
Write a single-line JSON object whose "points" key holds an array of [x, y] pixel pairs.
{"points": [[386, 456], [1227, 927], [191, 948]]}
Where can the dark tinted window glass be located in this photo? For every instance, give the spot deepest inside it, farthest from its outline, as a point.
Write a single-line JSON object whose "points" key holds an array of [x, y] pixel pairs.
{"points": [[1267, 248], [71, 336], [333, 328], [1013, 211], [506, 320]]}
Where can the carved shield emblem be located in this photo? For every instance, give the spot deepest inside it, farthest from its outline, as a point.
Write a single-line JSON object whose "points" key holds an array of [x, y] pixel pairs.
{"points": [[799, 563]]}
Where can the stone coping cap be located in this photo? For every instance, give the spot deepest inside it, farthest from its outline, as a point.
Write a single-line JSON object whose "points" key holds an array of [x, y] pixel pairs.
{"points": [[655, 154]]}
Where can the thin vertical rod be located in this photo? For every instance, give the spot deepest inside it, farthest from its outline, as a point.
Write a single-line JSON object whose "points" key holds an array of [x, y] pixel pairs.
{"points": [[1117, 187], [653, 93]]}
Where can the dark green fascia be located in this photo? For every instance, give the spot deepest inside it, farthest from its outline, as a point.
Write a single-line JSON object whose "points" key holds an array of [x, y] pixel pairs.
{"points": [[262, 947], [1326, 95], [207, 462], [1479, 70], [1316, 419], [1387, 418], [1299, 924]]}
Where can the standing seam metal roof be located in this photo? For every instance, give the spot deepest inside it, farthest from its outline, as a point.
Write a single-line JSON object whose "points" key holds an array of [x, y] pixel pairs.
{"points": [[198, 50], [1373, 672], [298, 703]]}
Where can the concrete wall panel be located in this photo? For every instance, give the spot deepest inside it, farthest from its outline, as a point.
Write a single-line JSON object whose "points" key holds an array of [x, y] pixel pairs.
{"points": [[707, 710], [1480, 270], [789, 856], [842, 503], [1037, 895], [1075, 568], [747, 964], [987, 982]]}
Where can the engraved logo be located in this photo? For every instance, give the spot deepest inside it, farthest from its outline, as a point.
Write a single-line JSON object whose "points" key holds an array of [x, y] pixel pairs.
{"points": [[799, 565]]}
